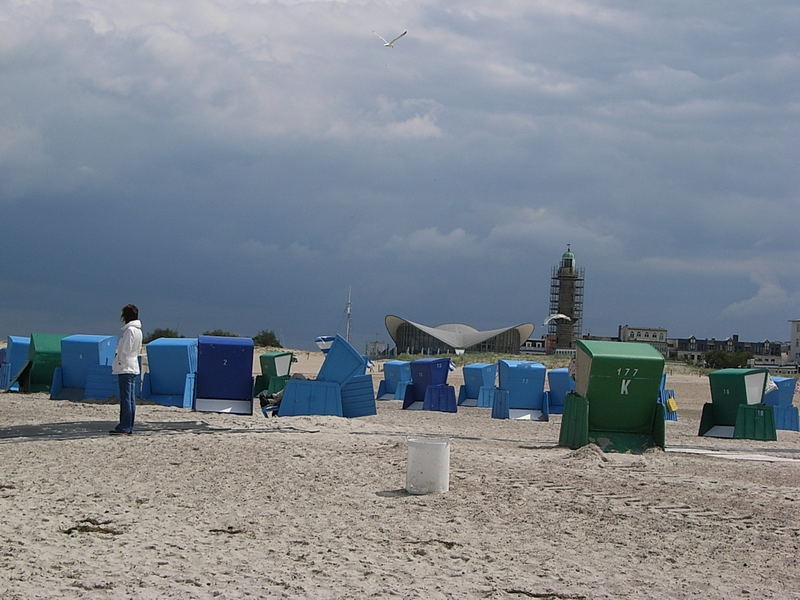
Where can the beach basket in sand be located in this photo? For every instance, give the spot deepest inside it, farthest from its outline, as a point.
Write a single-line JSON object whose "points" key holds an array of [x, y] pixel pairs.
{"points": [[780, 399], [171, 372], [524, 398], [275, 372], [736, 409], [616, 400], [342, 387], [396, 376], [44, 357], [561, 383], [80, 355], [429, 389], [16, 358], [478, 388], [224, 380]]}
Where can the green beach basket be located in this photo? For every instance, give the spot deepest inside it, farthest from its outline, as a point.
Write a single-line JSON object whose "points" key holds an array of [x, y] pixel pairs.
{"points": [[275, 372], [44, 357], [615, 402], [736, 409]]}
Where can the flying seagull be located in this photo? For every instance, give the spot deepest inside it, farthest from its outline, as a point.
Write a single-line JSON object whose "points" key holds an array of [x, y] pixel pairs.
{"points": [[556, 317], [390, 44]]}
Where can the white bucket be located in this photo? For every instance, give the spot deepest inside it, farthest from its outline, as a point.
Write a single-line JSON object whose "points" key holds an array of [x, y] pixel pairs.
{"points": [[428, 468]]}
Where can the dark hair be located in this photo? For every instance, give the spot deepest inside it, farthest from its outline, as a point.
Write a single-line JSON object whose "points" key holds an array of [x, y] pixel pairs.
{"points": [[130, 313]]}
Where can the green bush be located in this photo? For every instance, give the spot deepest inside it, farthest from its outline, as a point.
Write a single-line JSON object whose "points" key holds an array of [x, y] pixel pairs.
{"points": [[719, 359], [220, 333], [160, 333], [267, 337]]}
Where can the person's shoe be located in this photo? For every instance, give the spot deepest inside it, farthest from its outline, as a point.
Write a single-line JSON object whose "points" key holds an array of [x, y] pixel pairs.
{"points": [[118, 432]]}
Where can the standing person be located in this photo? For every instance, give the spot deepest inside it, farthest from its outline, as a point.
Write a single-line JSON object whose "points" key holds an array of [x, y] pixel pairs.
{"points": [[126, 367]]}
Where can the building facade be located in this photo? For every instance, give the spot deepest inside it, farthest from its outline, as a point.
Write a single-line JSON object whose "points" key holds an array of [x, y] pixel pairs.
{"points": [[566, 298], [794, 341], [534, 346], [694, 349], [655, 336]]}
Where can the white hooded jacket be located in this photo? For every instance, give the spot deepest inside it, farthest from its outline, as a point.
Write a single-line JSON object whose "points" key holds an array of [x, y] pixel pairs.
{"points": [[128, 348]]}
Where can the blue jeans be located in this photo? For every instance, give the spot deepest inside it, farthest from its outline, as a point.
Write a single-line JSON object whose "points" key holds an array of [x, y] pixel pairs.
{"points": [[127, 402]]}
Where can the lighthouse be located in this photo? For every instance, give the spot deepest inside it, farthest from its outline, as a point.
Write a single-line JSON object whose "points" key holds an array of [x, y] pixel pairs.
{"points": [[566, 298]]}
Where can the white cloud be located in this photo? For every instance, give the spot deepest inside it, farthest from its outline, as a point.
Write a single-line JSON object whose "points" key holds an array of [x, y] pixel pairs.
{"points": [[693, 265], [591, 12], [20, 145], [417, 127], [410, 119], [518, 224], [534, 78], [433, 244], [266, 251], [662, 79], [770, 297]]}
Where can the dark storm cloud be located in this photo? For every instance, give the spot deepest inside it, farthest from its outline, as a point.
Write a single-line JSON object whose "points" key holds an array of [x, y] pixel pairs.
{"points": [[240, 165]]}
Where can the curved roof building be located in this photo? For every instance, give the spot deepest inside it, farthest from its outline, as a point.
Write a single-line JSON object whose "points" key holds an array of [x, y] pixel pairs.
{"points": [[415, 338]]}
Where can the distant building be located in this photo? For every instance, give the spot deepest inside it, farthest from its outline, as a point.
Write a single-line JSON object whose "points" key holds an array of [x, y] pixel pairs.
{"points": [[600, 338], [415, 338], [566, 298], [694, 349], [655, 336], [534, 346], [376, 349], [794, 341]]}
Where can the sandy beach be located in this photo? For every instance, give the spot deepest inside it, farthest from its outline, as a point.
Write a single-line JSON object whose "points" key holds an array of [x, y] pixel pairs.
{"points": [[202, 505]]}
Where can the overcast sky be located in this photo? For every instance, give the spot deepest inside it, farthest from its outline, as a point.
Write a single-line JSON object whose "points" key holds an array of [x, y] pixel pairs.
{"points": [[238, 165]]}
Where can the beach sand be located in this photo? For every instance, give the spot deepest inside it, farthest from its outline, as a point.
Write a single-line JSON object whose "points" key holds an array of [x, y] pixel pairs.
{"points": [[201, 505]]}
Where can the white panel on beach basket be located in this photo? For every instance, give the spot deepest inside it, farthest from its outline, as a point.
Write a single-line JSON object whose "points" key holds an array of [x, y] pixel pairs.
{"points": [[283, 364], [224, 405], [754, 387], [522, 414], [720, 431], [583, 366]]}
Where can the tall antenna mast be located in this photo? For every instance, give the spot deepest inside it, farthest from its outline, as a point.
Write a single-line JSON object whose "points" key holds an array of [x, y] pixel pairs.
{"points": [[348, 314]]}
